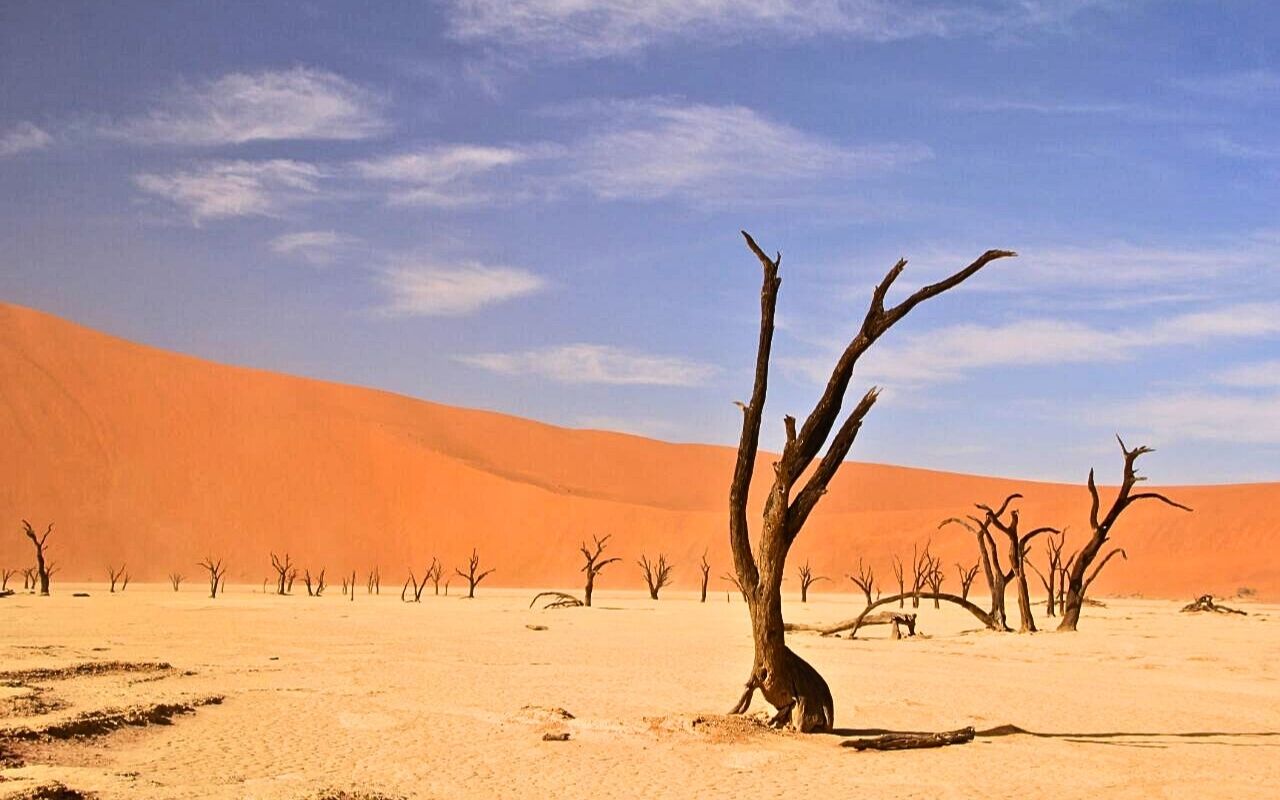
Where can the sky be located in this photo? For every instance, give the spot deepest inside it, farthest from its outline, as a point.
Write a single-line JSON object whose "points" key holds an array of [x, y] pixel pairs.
{"points": [[533, 206]]}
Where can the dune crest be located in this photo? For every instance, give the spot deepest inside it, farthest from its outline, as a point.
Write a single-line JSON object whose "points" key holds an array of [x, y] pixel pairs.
{"points": [[156, 459]]}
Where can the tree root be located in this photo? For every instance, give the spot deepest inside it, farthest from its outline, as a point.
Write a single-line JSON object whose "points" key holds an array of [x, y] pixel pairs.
{"points": [[912, 741], [559, 600]]}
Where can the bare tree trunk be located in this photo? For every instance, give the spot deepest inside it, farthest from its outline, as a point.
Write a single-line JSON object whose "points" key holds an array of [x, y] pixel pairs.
{"points": [[657, 574], [43, 572], [706, 575], [472, 575], [788, 682], [594, 565]]}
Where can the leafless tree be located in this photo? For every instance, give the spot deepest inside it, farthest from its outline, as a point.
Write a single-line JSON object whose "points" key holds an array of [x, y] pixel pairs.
{"points": [[43, 571], [865, 579], [217, 575], [285, 573], [807, 579], [473, 576], [921, 566], [933, 577], [29, 578], [706, 574], [175, 580], [966, 579], [995, 574], [5, 575], [416, 595], [116, 575], [899, 574], [435, 572], [1053, 571], [374, 584], [1017, 555], [319, 587], [657, 574], [1078, 577], [730, 578], [788, 683], [594, 565]]}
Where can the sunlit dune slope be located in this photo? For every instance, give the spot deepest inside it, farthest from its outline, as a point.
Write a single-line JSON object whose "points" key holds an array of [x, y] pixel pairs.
{"points": [[156, 459]]}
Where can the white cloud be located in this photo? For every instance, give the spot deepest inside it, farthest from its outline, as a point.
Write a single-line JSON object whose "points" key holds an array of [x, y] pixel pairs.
{"points": [[443, 176], [1260, 374], [428, 289], [1245, 85], [950, 353], [22, 138], [655, 148], [1244, 419], [315, 247], [571, 29], [298, 103], [234, 188], [593, 363]]}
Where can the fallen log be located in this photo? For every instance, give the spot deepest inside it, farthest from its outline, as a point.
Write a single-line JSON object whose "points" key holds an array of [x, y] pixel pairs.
{"points": [[558, 600], [1205, 603], [912, 741]]}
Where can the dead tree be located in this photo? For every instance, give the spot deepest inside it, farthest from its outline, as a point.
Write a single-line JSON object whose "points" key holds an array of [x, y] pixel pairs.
{"points": [[656, 574], [374, 583], [1205, 603], [1017, 555], [115, 575], [933, 578], [706, 575], [1049, 578], [989, 558], [807, 579], [352, 596], [788, 683], [417, 587], [29, 578], [175, 580], [1102, 526], [733, 579], [434, 573], [865, 579], [899, 574], [557, 600], [319, 586], [5, 575], [594, 565], [285, 573], [966, 579], [472, 575], [43, 572], [216, 575], [921, 565]]}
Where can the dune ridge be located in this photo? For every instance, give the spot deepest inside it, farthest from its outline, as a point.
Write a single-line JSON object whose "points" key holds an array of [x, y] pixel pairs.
{"points": [[156, 459]]}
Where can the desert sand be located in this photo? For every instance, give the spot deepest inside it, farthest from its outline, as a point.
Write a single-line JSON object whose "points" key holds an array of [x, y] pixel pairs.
{"points": [[452, 698], [154, 459]]}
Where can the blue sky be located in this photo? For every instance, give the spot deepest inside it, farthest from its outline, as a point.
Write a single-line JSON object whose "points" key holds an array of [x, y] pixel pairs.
{"points": [[533, 205]]}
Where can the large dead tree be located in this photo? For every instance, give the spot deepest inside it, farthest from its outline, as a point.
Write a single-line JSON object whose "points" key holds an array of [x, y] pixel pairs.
{"points": [[416, 594], [807, 579], [43, 571], [865, 579], [657, 574], [706, 574], [472, 576], [217, 575], [594, 565], [1101, 525], [1017, 556], [787, 682]]}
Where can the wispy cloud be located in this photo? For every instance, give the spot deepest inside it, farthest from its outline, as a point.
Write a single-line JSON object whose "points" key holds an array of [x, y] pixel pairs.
{"points": [[443, 176], [314, 247], [1259, 374], [1252, 84], [1206, 416], [594, 363], [659, 148], [223, 189], [589, 29], [431, 289], [1231, 147], [298, 103], [950, 353], [23, 137]]}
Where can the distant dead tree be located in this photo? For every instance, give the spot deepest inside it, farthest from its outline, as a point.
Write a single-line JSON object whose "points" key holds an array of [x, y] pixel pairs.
{"points": [[733, 579], [374, 584], [1017, 555], [175, 580], [789, 683], [656, 574], [5, 575], [966, 579], [416, 595], [319, 587], [807, 579], [472, 576], [706, 575], [1078, 577], [285, 573], [995, 574], [594, 565], [43, 571], [1053, 571], [865, 579], [116, 575], [29, 578], [435, 572], [352, 596], [899, 574], [933, 578], [921, 565], [217, 575]]}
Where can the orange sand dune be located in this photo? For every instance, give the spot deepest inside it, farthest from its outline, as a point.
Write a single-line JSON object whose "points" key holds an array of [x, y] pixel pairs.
{"points": [[157, 459]]}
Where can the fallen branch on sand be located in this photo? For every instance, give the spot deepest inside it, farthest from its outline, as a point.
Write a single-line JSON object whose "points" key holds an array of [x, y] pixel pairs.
{"points": [[1205, 603], [912, 741], [559, 600]]}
